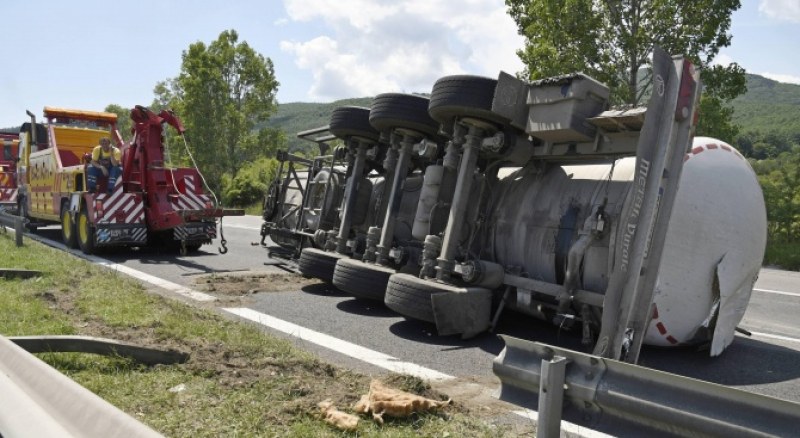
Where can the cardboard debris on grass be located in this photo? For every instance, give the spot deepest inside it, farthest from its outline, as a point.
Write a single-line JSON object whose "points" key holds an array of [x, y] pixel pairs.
{"points": [[381, 400], [336, 418]]}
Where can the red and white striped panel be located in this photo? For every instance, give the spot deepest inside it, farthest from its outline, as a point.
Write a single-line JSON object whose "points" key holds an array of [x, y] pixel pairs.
{"points": [[191, 200], [130, 204], [710, 147], [8, 195]]}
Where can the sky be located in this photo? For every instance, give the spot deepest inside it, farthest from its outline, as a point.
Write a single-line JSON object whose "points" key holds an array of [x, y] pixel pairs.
{"points": [[86, 54]]}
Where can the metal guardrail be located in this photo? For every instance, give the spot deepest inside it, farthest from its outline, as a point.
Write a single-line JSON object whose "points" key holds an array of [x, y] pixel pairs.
{"points": [[16, 222], [38, 401], [629, 400]]}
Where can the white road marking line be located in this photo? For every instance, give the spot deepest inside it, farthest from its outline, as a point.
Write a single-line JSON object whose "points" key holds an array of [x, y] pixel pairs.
{"points": [[243, 227], [566, 426], [139, 275], [777, 292], [155, 281], [778, 337], [347, 348]]}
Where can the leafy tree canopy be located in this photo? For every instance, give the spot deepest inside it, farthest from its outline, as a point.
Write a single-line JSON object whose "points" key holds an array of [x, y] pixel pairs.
{"points": [[224, 92], [613, 40], [124, 122]]}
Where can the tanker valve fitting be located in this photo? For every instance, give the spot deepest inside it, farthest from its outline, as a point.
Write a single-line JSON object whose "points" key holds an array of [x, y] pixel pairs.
{"points": [[373, 238], [398, 255], [320, 238], [427, 149], [430, 250], [330, 242], [493, 143]]}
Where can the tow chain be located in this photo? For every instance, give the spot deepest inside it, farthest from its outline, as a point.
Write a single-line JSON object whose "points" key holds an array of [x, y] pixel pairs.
{"points": [[223, 248]]}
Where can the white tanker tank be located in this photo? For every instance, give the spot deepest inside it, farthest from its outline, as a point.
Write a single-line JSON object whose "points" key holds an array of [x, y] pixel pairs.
{"points": [[712, 254]]}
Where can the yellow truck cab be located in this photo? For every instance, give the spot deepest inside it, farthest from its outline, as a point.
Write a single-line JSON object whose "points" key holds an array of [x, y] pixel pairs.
{"points": [[51, 169]]}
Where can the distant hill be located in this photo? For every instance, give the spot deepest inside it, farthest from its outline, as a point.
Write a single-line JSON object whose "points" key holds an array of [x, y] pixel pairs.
{"points": [[767, 107], [300, 116]]}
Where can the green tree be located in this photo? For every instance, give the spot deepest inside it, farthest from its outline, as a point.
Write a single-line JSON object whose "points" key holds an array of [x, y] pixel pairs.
{"points": [[782, 197], [124, 122], [224, 90], [613, 41]]}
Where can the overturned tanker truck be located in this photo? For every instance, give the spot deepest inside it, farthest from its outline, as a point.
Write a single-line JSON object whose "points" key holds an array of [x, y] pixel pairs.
{"points": [[535, 197]]}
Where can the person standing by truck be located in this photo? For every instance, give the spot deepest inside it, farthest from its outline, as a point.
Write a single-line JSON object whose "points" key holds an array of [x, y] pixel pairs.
{"points": [[105, 161]]}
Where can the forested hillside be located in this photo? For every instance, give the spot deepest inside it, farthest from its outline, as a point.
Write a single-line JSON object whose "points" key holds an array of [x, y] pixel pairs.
{"points": [[300, 116], [769, 107]]}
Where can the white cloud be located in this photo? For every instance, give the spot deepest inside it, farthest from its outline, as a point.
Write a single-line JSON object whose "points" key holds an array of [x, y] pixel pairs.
{"points": [[722, 59], [788, 79], [368, 47], [281, 21], [788, 10]]}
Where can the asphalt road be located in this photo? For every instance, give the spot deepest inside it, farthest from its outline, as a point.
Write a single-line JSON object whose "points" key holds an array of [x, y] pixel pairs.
{"points": [[766, 363]]}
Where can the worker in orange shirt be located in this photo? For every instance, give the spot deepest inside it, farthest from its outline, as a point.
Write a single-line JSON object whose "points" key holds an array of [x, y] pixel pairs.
{"points": [[105, 161]]}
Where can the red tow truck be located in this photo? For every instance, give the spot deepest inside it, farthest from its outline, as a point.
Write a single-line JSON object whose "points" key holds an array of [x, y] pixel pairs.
{"points": [[151, 204]]}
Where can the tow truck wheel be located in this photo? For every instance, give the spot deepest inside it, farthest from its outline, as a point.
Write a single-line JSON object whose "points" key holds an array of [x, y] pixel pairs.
{"points": [[362, 280], [317, 263], [85, 232], [68, 233]]}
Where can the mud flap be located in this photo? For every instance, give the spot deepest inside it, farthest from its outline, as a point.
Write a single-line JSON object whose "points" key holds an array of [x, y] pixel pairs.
{"points": [[467, 313], [735, 288]]}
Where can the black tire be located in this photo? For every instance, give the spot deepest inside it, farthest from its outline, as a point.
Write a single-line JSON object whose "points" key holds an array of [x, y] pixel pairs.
{"points": [[317, 263], [396, 110], [271, 200], [68, 229], [463, 96], [352, 121], [362, 280], [85, 232], [410, 296]]}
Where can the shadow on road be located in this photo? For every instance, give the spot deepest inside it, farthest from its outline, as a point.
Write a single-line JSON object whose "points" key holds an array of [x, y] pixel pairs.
{"points": [[323, 289], [745, 362], [366, 308]]}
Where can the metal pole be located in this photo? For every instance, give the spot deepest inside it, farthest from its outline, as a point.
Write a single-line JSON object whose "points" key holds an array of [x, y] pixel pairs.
{"points": [[455, 222], [350, 198], [393, 207], [18, 230], [551, 397]]}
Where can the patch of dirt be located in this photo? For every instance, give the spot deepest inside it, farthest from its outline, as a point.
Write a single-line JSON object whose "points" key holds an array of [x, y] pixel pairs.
{"points": [[240, 284]]}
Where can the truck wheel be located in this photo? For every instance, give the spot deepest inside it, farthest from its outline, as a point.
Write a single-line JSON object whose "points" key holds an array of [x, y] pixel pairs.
{"points": [[271, 200], [68, 230], [347, 121], [85, 232], [410, 296], [396, 110], [317, 263], [362, 280], [463, 96]]}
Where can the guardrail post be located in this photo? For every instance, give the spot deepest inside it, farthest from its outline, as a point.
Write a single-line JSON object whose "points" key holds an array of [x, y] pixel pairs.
{"points": [[18, 230], [551, 397]]}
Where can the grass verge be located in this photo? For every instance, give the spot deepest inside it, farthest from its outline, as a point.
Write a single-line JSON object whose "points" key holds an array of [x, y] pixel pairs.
{"points": [[238, 382]]}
